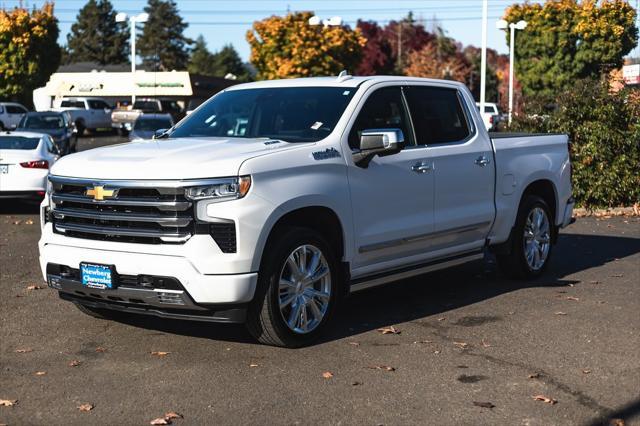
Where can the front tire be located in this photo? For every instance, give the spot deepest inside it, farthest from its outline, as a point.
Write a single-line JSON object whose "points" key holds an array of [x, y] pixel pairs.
{"points": [[299, 287], [531, 241]]}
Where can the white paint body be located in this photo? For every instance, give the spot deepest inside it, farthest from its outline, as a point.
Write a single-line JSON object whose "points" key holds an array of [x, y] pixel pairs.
{"points": [[93, 118], [382, 203], [22, 179]]}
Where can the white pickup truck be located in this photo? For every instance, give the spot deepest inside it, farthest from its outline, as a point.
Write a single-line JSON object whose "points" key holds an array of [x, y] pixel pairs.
{"points": [[86, 113], [275, 199]]}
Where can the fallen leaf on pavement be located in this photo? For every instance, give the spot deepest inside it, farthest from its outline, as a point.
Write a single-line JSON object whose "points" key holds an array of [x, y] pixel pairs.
{"points": [[382, 367], [561, 313], [24, 350], [417, 342], [483, 404], [544, 399], [17, 222], [160, 421], [74, 363], [586, 371], [28, 222], [441, 319], [461, 345], [40, 373], [327, 374], [534, 376], [85, 407], [34, 287], [253, 365], [100, 349], [172, 415], [389, 330], [617, 275], [160, 353], [616, 422], [594, 282], [8, 402], [436, 352], [575, 299], [485, 344], [354, 343], [356, 383]]}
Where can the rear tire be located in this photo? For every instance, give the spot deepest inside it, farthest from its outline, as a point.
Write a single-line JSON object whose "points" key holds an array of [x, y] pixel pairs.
{"points": [[531, 241], [2, 126], [299, 286], [80, 127]]}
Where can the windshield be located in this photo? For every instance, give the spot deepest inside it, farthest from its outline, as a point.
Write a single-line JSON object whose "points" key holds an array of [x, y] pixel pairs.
{"points": [[152, 124], [42, 122], [18, 142], [147, 105], [292, 114]]}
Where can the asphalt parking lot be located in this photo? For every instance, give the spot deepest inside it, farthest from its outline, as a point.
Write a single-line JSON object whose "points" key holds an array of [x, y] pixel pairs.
{"points": [[470, 348]]}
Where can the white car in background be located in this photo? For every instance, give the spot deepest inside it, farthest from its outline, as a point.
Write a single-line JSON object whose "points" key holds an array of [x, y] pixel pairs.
{"points": [[10, 114], [25, 159], [490, 116]]}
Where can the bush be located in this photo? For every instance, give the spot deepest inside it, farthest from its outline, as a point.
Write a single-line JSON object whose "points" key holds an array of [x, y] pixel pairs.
{"points": [[604, 131]]}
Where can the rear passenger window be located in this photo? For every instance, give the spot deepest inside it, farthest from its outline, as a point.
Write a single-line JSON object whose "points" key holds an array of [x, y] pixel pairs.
{"points": [[384, 109], [437, 115], [95, 104]]}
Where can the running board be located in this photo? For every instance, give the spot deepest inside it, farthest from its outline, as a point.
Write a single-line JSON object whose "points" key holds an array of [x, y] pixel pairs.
{"points": [[396, 275]]}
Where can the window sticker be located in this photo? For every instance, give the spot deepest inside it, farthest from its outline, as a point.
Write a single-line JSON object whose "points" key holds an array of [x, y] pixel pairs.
{"points": [[316, 125]]}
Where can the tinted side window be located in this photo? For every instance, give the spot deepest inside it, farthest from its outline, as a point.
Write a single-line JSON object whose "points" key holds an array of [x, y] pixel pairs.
{"points": [[437, 114], [384, 109], [94, 104], [12, 109]]}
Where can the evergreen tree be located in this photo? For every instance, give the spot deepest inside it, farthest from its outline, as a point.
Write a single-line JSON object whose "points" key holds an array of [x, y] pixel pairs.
{"points": [[97, 37], [201, 61], [227, 61], [163, 46]]}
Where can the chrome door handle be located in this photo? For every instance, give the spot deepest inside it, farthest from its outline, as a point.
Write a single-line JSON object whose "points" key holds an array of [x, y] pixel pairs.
{"points": [[421, 167], [482, 161]]}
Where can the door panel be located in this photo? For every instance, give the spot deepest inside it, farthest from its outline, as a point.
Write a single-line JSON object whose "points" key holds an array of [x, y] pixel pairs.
{"points": [[392, 198], [463, 166]]}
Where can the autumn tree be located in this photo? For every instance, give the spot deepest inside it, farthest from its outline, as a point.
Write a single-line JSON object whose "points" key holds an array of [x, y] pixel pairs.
{"points": [[29, 51], [163, 45], [218, 64], [377, 53], [428, 62], [566, 40], [287, 46], [96, 36]]}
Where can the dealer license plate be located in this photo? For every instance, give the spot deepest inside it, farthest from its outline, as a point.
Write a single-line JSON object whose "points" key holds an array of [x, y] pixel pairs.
{"points": [[97, 276]]}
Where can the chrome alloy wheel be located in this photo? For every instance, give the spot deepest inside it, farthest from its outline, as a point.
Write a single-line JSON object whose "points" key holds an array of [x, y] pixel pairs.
{"points": [[304, 289], [537, 238]]}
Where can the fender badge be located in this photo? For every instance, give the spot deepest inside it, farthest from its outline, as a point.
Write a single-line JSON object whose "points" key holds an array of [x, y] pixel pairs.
{"points": [[326, 154]]}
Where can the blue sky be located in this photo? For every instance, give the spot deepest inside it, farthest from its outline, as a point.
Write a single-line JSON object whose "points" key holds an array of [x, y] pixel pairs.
{"points": [[226, 21]]}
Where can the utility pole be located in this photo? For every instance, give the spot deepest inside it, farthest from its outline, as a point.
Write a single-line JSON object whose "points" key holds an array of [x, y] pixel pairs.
{"points": [[483, 59]]}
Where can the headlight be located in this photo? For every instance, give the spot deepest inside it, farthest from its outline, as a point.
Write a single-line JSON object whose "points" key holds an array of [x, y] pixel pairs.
{"points": [[222, 190]]}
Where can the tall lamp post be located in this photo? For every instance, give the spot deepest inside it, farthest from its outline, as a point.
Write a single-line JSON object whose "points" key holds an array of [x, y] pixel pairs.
{"points": [[503, 25], [133, 20]]}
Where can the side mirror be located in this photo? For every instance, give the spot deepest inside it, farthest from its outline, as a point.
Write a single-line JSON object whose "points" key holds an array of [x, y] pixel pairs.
{"points": [[380, 142], [160, 133]]}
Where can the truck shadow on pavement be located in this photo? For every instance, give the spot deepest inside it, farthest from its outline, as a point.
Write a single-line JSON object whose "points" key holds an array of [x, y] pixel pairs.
{"points": [[431, 295], [19, 207]]}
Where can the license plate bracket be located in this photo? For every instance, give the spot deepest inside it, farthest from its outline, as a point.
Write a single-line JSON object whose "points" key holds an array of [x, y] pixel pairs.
{"points": [[98, 276]]}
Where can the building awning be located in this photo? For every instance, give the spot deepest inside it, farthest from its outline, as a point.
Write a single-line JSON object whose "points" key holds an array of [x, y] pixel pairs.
{"points": [[119, 84]]}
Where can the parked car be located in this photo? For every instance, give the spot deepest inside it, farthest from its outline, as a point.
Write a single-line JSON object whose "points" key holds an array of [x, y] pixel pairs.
{"points": [[25, 159], [147, 125], [124, 119], [10, 115], [86, 113], [275, 199], [58, 125], [491, 115]]}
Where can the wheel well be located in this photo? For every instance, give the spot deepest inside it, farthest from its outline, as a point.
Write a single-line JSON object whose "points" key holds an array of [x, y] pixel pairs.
{"points": [[321, 219], [543, 189]]}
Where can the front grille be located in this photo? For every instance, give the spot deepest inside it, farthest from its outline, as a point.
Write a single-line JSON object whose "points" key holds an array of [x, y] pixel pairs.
{"points": [[128, 211]]}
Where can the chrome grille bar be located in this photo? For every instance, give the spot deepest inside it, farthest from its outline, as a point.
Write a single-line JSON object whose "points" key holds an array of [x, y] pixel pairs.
{"points": [[160, 204], [61, 213], [127, 232]]}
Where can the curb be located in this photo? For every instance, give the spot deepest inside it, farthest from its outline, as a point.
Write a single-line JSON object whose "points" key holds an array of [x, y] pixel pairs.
{"points": [[610, 212]]}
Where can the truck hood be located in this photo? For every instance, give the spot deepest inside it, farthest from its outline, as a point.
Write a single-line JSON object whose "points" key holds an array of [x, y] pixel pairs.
{"points": [[182, 158]]}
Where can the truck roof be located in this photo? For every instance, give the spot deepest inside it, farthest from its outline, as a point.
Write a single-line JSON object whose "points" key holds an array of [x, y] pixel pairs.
{"points": [[345, 81]]}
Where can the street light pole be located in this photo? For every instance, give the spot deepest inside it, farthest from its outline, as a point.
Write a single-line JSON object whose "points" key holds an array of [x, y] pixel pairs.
{"points": [[133, 20], [483, 57], [520, 25]]}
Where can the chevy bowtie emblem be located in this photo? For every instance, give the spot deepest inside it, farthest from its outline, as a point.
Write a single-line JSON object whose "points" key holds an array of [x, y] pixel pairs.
{"points": [[99, 193]]}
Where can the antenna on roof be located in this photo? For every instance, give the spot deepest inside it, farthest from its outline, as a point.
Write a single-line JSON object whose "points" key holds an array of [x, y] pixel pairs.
{"points": [[344, 75]]}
